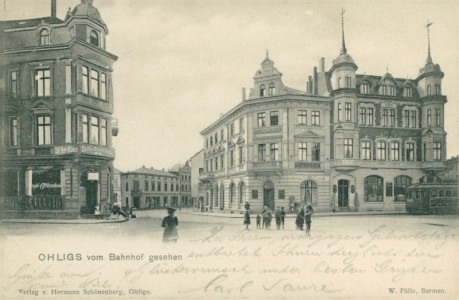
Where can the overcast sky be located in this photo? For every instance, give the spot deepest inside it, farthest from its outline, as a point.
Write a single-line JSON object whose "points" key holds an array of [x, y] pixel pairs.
{"points": [[183, 63]]}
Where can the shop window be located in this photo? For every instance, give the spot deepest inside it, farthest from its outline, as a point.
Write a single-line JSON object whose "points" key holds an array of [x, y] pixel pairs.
{"points": [[401, 184], [373, 189]]}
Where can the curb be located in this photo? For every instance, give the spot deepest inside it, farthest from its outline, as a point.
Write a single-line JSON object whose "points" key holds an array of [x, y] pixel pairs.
{"points": [[76, 221]]}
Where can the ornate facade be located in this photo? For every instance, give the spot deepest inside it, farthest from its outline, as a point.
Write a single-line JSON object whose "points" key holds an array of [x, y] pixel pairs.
{"points": [[348, 142], [56, 104]]}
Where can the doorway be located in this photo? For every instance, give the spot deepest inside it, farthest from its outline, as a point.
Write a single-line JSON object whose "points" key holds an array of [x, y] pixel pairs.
{"points": [[268, 195], [343, 193]]}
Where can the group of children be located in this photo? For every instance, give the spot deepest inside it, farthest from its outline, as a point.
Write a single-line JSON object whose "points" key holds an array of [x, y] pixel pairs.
{"points": [[264, 219]]}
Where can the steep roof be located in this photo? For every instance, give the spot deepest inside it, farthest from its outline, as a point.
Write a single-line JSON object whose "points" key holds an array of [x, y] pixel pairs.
{"points": [[28, 22]]}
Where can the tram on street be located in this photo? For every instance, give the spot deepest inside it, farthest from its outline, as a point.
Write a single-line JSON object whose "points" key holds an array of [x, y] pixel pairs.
{"points": [[432, 198]]}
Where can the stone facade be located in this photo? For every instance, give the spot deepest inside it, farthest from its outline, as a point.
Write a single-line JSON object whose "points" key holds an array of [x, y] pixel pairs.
{"points": [[349, 142], [56, 106]]}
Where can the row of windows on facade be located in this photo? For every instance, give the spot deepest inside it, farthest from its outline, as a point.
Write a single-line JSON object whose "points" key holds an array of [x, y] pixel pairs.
{"points": [[389, 88], [389, 150], [94, 130], [94, 83], [184, 177], [155, 202], [373, 189], [156, 186], [388, 116], [217, 163], [214, 140], [45, 37]]}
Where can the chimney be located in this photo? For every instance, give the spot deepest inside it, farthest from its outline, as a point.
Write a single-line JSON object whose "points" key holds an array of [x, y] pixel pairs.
{"points": [[310, 85], [315, 81], [53, 8], [243, 94], [322, 65]]}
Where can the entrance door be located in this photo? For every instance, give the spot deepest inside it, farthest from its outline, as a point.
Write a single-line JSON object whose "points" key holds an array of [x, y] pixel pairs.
{"points": [[89, 191], [222, 197], [343, 193], [268, 195], [137, 202]]}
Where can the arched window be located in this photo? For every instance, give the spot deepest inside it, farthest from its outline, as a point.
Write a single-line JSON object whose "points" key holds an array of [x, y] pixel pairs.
{"points": [[44, 37], [94, 38], [272, 89], [308, 192], [373, 189], [262, 90], [400, 184]]}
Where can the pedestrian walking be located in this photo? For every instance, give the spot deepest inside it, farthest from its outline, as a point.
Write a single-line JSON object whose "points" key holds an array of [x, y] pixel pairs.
{"points": [[247, 219], [170, 223], [300, 219], [282, 217], [307, 219], [264, 215], [277, 215], [258, 221]]}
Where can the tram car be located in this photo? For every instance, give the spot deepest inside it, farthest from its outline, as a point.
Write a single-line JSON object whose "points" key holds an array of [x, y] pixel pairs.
{"points": [[432, 198]]}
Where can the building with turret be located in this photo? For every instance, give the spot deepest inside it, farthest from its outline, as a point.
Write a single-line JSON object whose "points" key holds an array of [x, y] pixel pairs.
{"points": [[56, 107], [348, 142]]}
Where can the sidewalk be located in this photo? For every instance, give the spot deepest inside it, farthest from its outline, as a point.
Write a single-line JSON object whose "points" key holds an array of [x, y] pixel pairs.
{"points": [[238, 214], [63, 221]]}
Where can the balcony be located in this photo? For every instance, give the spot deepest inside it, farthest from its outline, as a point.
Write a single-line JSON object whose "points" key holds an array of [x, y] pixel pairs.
{"points": [[307, 165], [433, 165], [267, 167], [206, 176], [344, 164]]}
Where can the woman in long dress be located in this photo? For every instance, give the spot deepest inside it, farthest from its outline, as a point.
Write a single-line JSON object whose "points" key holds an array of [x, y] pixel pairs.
{"points": [[170, 223]]}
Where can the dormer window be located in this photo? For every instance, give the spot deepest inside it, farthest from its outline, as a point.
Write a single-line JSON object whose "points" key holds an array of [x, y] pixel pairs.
{"points": [[44, 37], [429, 90], [94, 38], [437, 89], [408, 92], [272, 89], [364, 88], [348, 82], [262, 90], [387, 90]]}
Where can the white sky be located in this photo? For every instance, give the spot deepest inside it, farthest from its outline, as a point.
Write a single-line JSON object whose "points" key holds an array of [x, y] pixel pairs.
{"points": [[183, 63]]}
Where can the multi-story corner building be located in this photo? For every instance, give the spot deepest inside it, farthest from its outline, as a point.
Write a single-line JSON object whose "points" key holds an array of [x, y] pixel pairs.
{"points": [[151, 188], [56, 106], [348, 142]]}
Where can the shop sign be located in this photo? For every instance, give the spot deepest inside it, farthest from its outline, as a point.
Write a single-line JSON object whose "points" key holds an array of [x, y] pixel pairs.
{"points": [[46, 182], [93, 176]]}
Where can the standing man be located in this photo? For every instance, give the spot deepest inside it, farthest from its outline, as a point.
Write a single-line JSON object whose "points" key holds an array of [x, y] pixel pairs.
{"points": [[170, 223], [282, 212], [277, 215]]}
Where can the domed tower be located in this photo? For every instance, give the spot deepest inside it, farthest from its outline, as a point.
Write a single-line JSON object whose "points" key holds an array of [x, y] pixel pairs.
{"points": [[87, 24], [433, 102], [343, 69], [343, 82]]}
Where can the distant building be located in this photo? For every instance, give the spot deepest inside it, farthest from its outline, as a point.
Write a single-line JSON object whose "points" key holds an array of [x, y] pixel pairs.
{"points": [[116, 197], [151, 188], [56, 106], [348, 142], [197, 189], [183, 173]]}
